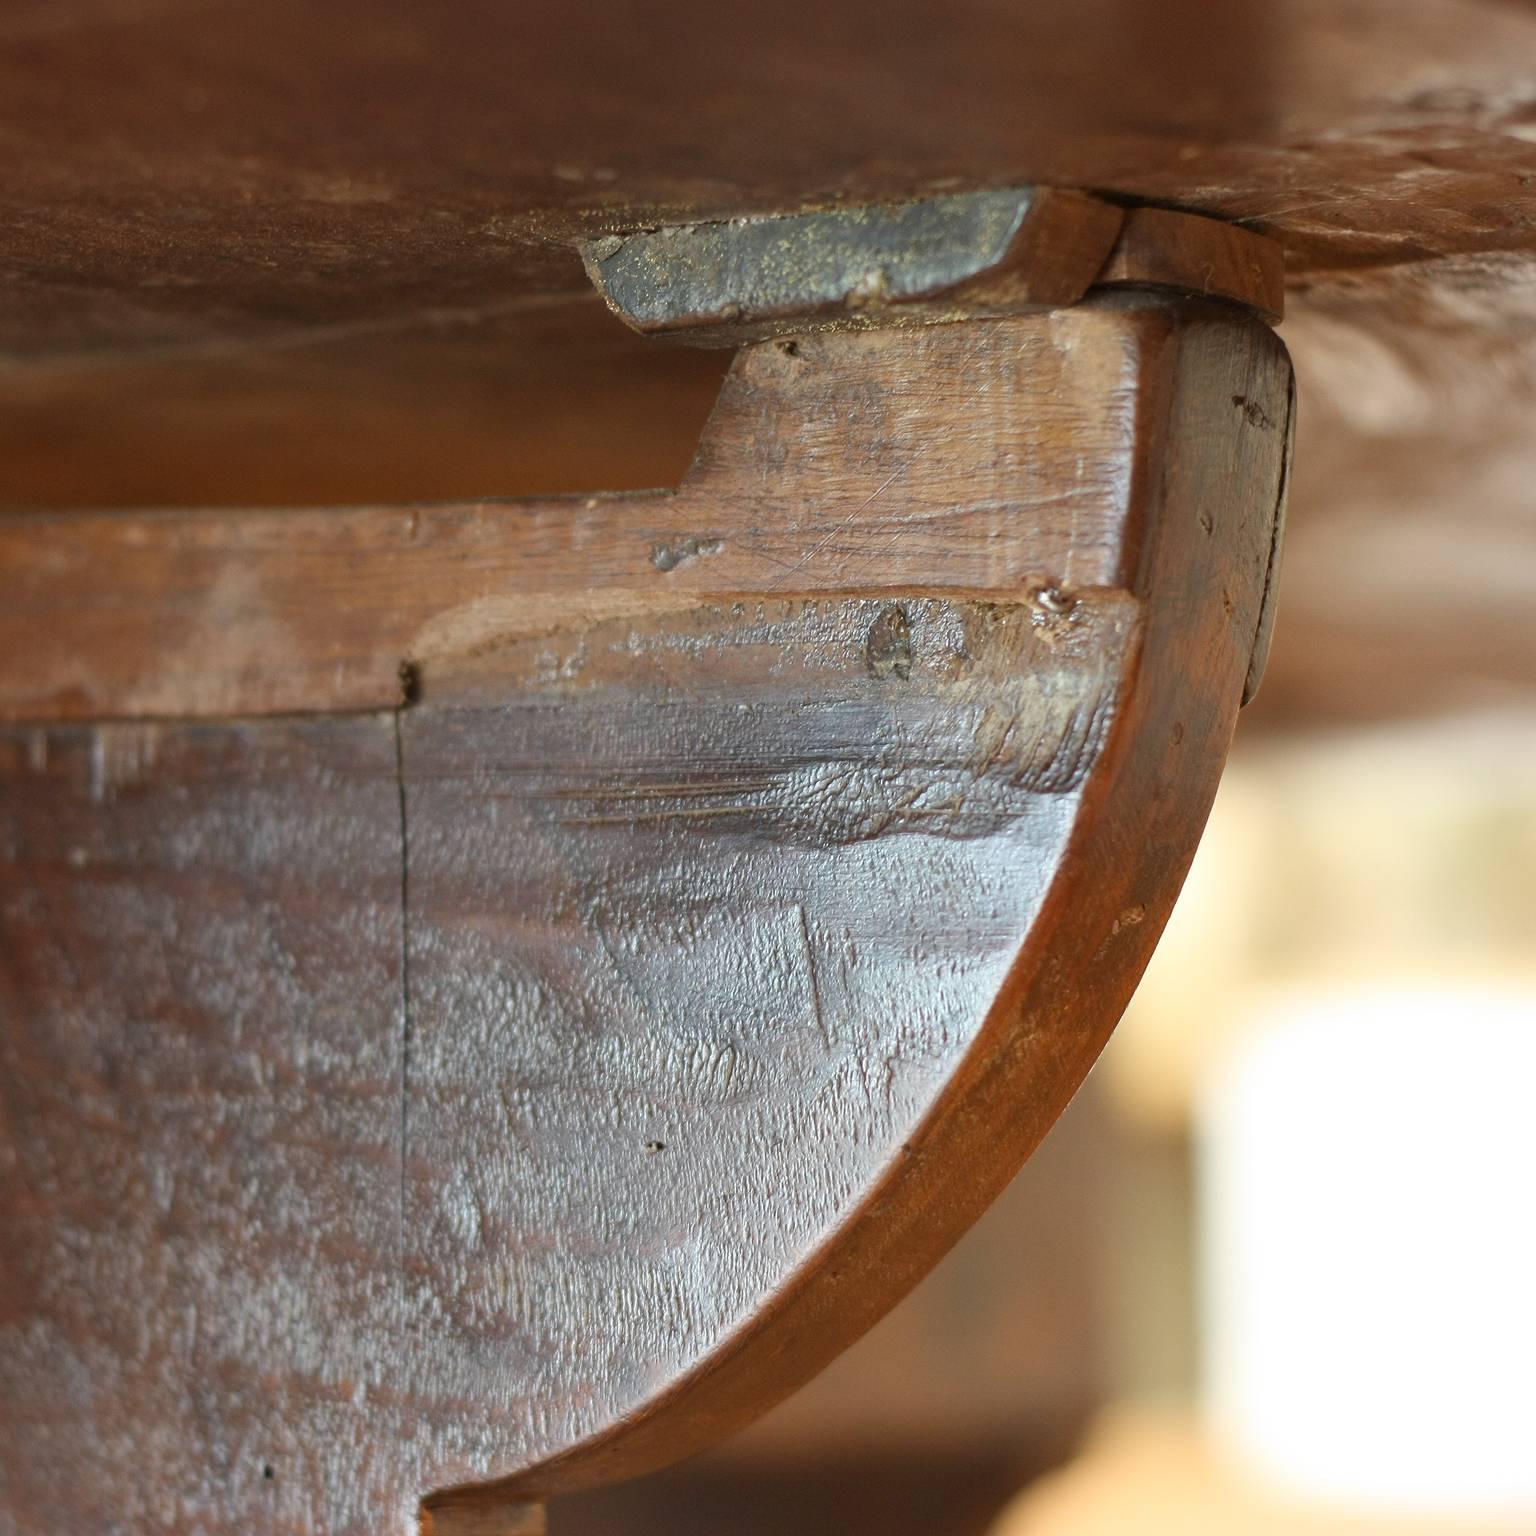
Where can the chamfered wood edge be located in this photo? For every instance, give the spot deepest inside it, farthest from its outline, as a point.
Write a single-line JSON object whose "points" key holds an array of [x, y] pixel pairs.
{"points": [[1132, 844]]}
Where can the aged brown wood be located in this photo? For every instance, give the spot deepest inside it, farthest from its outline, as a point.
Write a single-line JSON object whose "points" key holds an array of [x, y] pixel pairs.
{"points": [[908, 465], [184, 175], [1161, 248], [200, 1035], [522, 1088], [275, 253], [479, 1517], [1411, 582]]}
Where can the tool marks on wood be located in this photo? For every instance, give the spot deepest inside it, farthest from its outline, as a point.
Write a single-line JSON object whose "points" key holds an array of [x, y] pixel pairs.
{"points": [[955, 460], [990, 702], [748, 940], [728, 905]]}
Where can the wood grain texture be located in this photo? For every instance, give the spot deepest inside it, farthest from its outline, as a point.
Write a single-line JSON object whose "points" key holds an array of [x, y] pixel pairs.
{"points": [[644, 1009], [264, 253], [1161, 248], [901, 464], [200, 1027], [191, 172]]}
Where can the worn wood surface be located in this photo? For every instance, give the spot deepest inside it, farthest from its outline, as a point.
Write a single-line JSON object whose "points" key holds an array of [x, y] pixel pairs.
{"points": [[948, 256], [269, 254], [1161, 248], [519, 1089], [200, 1031], [952, 460], [189, 172]]}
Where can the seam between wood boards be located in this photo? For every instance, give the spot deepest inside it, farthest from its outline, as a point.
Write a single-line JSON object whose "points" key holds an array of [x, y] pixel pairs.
{"points": [[405, 987]]}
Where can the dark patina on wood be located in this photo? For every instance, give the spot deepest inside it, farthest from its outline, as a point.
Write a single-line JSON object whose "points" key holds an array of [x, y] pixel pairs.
{"points": [[480, 1099], [969, 461], [964, 254]]}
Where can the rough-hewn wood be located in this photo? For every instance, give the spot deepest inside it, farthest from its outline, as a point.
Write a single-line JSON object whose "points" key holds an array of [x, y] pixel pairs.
{"points": [[527, 1087], [954, 460]]}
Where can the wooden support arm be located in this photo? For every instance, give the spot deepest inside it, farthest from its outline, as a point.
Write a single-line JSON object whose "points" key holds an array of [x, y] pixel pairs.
{"points": [[416, 1114], [915, 462]]}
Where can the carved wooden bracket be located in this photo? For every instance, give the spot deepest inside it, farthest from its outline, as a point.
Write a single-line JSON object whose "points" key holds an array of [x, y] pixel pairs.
{"points": [[476, 1100]]}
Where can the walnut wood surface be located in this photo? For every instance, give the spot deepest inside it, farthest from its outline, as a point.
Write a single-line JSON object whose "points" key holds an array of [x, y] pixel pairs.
{"points": [[524, 1087]]}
